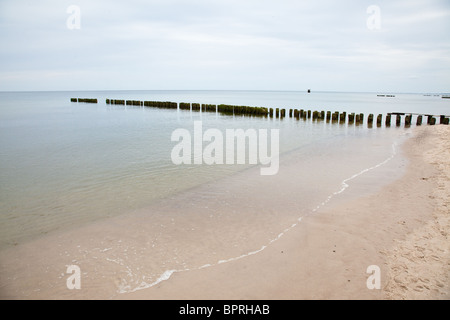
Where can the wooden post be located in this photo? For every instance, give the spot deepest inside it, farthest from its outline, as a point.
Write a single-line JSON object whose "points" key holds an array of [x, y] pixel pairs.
{"points": [[301, 113], [379, 119], [183, 105], [408, 120], [283, 113], [351, 118], [361, 117], [357, 118], [446, 121], [398, 120], [290, 113], [315, 115], [388, 120], [342, 117], [271, 112], [419, 120], [328, 116], [429, 119], [433, 121], [441, 121], [370, 119], [309, 114]]}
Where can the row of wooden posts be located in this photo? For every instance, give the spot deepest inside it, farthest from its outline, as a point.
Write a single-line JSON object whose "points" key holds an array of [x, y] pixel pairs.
{"points": [[341, 117], [85, 100], [221, 108], [358, 118]]}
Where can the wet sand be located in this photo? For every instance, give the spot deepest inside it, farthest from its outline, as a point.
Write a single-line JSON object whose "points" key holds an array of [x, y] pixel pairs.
{"points": [[401, 227]]}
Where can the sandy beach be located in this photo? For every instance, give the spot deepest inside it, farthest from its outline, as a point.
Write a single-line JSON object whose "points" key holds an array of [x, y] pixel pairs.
{"points": [[401, 228], [178, 151]]}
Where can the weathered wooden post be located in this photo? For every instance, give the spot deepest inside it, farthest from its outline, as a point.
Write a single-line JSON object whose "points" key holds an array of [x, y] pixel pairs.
{"points": [[429, 119], [441, 121], [309, 114], [357, 119], [335, 116], [388, 120], [315, 115], [446, 121], [379, 119], [433, 121], [283, 113], [322, 115], [351, 118], [370, 119], [361, 117], [398, 120], [328, 116], [290, 113], [419, 120], [408, 120]]}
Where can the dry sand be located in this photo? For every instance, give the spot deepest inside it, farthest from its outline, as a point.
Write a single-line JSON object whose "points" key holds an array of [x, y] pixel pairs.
{"points": [[402, 228]]}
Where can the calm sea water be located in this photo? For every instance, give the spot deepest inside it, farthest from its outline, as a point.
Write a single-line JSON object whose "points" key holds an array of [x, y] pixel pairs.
{"points": [[64, 164]]}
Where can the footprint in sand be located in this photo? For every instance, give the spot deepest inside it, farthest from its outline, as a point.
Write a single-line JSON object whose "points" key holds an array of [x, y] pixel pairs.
{"points": [[418, 289]]}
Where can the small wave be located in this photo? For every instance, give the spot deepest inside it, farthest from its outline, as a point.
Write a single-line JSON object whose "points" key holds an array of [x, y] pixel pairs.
{"points": [[344, 185], [144, 285]]}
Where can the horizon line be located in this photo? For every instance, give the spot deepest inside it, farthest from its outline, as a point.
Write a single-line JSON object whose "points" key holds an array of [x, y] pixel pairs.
{"points": [[242, 90]]}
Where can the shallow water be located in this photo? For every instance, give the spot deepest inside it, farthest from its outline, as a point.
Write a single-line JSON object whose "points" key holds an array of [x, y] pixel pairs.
{"points": [[66, 164]]}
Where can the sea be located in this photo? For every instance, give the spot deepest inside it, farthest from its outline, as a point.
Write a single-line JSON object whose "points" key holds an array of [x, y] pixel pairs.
{"points": [[65, 165]]}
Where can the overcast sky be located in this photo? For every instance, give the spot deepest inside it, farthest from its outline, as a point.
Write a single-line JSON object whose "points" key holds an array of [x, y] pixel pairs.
{"points": [[225, 45]]}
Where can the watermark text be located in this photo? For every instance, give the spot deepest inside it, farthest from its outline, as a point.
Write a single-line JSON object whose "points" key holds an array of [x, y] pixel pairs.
{"points": [[190, 147]]}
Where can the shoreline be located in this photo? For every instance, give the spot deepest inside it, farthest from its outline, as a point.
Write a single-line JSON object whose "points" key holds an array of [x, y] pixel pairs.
{"points": [[327, 255]]}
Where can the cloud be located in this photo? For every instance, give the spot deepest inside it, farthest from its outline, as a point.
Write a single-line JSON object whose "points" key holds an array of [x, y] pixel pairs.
{"points": [[252, 44]]}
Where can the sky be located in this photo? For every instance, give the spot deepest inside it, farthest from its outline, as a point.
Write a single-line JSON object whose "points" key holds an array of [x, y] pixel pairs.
{"points": [[324, 45]]}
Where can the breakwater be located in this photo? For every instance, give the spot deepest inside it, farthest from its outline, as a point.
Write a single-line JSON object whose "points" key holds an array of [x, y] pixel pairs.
{"points": [[390, 119]]}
